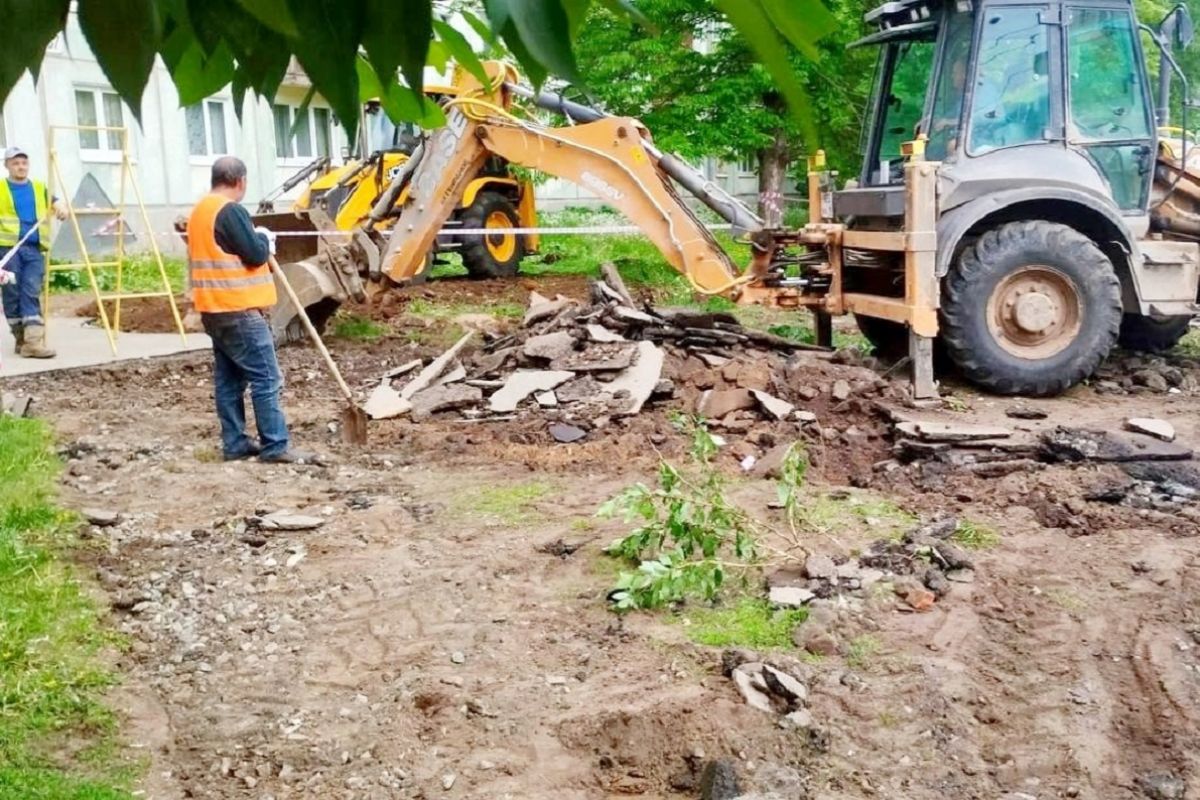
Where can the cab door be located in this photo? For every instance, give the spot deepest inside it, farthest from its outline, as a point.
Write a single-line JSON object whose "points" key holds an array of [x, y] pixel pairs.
{"points": [[1109, 115]]}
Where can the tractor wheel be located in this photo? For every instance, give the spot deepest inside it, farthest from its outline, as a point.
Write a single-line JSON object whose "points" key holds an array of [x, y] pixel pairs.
{"points": [[1031, 308], [888, 339], [486, 255], [1150, 335]]}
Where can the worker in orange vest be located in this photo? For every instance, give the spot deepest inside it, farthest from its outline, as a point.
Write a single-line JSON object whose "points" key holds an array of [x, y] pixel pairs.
{"points": [[233, 289]]}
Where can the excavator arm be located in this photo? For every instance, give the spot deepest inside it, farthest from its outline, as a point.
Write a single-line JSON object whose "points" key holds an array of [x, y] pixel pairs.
{"points": [[612, 157]]}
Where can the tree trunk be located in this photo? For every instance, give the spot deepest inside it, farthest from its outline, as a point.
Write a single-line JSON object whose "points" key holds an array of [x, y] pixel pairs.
{"points": [[773, 165]]}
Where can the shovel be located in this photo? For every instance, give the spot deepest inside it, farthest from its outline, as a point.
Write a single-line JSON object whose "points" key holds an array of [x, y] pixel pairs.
{"points": [[354, 419]]}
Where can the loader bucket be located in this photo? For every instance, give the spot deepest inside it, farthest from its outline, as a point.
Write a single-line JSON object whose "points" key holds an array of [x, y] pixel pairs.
{"points": [[290, 248], [319, 293]]}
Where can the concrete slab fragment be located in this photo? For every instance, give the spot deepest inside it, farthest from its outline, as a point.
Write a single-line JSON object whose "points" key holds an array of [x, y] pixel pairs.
{"points": [[523, 383], [608, 357], [385, 402], [1158, 428], [776, 408], [599, 333], [641, 378], [446, 397], [716, 403], [550, 346]]}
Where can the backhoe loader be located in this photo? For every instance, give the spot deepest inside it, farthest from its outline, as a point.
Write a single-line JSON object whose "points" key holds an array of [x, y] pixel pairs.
{"points": [[1017, 202]]}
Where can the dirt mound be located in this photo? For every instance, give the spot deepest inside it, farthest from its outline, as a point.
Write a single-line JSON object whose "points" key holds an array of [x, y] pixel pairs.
{"points": [[138, 314]]}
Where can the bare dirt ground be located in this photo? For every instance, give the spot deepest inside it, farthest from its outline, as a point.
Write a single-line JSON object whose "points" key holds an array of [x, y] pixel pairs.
{"points": [[418, 644]]}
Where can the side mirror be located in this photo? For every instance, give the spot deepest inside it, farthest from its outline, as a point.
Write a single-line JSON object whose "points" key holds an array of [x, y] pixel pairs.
{"points": [[1176, 28]]}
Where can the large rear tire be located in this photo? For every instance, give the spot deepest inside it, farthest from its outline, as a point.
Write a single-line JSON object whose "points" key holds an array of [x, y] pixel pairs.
{"points": [[488, 255], [1031, 308], [1150, 335]]}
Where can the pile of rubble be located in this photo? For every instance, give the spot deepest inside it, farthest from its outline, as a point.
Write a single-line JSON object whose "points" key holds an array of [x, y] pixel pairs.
{"points": [[582, 365]]}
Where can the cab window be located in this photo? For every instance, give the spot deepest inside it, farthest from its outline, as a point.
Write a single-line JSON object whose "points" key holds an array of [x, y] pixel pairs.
{"points": [[1010, 93]]}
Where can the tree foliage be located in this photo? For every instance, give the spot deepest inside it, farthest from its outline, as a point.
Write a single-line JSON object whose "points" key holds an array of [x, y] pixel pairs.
{"points": [[208, 44], [700, 89]]}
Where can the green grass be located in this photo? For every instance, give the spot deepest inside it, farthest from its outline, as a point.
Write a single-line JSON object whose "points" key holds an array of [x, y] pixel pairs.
{"points": [[1189, 345], [428, 309], [511, 504], [57, 740], [358, 328], [842, 340], [139, 274], [833, 513], [861, 650], [974, 536], [750, 623]]}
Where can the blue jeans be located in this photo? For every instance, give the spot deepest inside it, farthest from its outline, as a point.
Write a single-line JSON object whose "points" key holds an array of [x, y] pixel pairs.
{"points": [[244, 353], [23, 299]]}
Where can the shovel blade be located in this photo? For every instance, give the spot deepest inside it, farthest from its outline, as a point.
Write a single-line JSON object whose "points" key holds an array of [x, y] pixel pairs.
{"points": [[354, 425]]}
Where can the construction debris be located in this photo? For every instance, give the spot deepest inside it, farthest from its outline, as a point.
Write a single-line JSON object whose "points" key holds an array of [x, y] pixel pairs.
{"points": [[582, 366], [1158, 428]]}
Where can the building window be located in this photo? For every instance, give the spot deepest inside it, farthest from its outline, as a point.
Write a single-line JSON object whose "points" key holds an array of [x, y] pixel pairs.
{"points": [[97, 108], [748, 165], [206, 131], [302, 132]]}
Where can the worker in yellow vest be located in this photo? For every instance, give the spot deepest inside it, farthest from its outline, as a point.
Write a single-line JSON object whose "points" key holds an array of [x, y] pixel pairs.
{"points": [[24, 209], [233, 290]]}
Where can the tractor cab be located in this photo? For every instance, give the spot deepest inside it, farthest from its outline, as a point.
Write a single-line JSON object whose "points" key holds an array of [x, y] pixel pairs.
{"points": [[1006, 94]]}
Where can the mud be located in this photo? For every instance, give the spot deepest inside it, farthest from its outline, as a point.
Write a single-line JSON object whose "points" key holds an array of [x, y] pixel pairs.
{"points": [[324, 663]]}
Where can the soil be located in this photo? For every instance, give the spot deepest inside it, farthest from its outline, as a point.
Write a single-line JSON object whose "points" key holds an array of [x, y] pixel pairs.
{"points": [[419, 639]]}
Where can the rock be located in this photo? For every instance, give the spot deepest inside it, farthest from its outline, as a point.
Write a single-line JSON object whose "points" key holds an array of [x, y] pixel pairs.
{"points": [[632, 315], [808, 393], [598, 358], [523, 383], [792, 596], [546, 399], [785, 685], [599, 333], [566, 434], [942, 529], [541, 308], [665, 388], [101, 517], [778, 782], [714, 361], [936, 581], [931, 431], [1151, 380], [961, 576], [457, 657], [952, 556], [580, 390], [283, 521], [1158, 428], [820, 567], [447, 397], [717, 403], [744, 679], [448, 781], [771, 464], [1077, 444], [805, 417], [801, 719], [1163, 786], [840, 390], [549, 346], [1025, 412], [719, 781], [458, 373], [816, 639], [734, 657], [385, 402], [754, 375], [641, 378], [914, 594], [483, 323], [776, 408]]}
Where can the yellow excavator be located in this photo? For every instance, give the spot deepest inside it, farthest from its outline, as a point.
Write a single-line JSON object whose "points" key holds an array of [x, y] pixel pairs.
{"points": [[493, 199], [1025, 227]]}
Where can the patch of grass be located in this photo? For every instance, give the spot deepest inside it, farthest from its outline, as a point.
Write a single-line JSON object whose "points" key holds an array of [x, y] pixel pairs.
{"points": [[1189, 345], [428, 309], [510, 504], [358, 328], [974, 536], [1066, 599], [861, 650], [833, 512], [138, 274], [57, 740], [207, 455], [583, 524], [750, 623], [842, 340]]}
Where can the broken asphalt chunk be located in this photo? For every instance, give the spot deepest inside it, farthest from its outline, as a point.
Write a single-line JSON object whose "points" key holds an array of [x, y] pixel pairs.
{"points": [[776, 408], [566, 434], [1158, 428], [523, 383], [284, 521], [448, 397], [641, 378]]}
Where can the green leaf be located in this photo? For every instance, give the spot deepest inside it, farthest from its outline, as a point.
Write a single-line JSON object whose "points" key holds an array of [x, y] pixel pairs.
{"points": [[481, 28], [327, 48], [32, 26], [533, 68], [196, 75], [262, 55], [545, 32], [802, 22], [627, 7], [498, 13], [759, 32], [124, 35], [439, 55], [460, 49], [400, 103], [576, 11], [398, 36], [272, 13]]}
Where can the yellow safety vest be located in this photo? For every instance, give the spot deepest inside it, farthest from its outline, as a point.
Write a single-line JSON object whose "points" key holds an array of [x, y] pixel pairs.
{"points": [[10, 225]]}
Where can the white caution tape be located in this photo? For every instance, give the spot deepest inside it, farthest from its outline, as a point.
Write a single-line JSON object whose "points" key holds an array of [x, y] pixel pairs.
{"points": [[602, 230]]}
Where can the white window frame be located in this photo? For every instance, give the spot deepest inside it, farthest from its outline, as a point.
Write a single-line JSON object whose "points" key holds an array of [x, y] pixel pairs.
{"points": [[104, 154], [298, 160], [226, 113]]}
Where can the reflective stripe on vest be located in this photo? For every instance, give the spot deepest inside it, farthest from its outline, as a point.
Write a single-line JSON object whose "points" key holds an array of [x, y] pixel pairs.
{"points": [[219, 280], [10, 223]]}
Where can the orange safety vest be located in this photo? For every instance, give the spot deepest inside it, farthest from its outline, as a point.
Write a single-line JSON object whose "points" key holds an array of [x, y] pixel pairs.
{"points": [[220, 281]]}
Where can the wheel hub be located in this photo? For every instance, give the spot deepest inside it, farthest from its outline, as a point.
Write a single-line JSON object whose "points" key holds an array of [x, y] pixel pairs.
{"points": [[1035, 312]]}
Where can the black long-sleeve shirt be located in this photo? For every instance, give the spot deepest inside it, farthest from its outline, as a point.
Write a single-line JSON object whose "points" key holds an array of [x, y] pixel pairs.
{"points": [[234, 232]]}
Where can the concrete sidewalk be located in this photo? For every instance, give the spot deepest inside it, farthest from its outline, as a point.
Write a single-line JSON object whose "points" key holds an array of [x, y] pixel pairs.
{"points": [[80, 344]]}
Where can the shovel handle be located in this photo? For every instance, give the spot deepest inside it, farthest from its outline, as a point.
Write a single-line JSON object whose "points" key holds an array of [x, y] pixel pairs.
{"points": [[312, 331]]}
